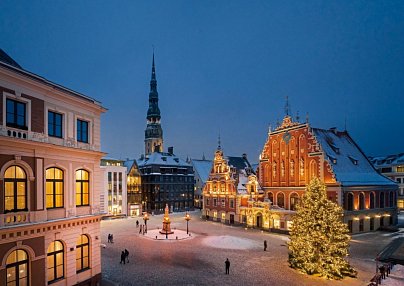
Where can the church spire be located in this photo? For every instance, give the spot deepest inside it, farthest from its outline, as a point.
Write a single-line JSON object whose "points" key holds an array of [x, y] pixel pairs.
{"points": [[153, 113]]}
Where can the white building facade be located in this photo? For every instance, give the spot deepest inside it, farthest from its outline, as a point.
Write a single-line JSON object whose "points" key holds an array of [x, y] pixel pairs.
{"points": [[114, 198], [50, 181]]}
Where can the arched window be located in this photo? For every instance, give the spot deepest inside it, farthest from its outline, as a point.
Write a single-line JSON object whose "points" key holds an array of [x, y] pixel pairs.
{"points": [[55, 261], [301, 168], [350, 201], [313, 169], [82, 188], [361, 201], [280, 200], [17, 268], [54, 188], [294, 200], [372, 200], [271, 197], [82, 253], [391, 199], [267, 173], [381, 201], [15, 189]]}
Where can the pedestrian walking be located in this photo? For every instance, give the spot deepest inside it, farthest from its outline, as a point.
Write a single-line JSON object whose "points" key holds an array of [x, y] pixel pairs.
{"points": [[122, 257], [137, 223], [127, 255], [112, 238], [382, 272], [227, 263], [265, 245], [140, 230], [109, 237]]}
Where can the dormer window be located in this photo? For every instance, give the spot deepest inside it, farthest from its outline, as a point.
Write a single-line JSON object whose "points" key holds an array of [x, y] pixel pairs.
{"points": [[333, 159], [176, 160], [353, 160], [164, 158]]}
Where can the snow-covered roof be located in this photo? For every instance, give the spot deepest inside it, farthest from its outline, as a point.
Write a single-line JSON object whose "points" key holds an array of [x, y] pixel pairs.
{"points": [[242, 181], [202, 167], [387, 161], [350, 165], [157, 158]]}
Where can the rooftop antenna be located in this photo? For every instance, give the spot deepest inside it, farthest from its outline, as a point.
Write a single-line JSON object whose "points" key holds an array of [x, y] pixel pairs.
{"points": [[287, 106]]}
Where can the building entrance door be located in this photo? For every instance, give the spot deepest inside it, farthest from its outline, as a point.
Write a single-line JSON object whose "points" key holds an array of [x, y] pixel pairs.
{"points": [[232, 219], [259, 221]]}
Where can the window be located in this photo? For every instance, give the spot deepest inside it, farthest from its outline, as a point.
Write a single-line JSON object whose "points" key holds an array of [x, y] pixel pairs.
{"points": [[82, 188], [16, 114], [82, 253], [391, 199], [361, 224], [54, 124], [350, 202], [17, 268], [381, 201], [54, 188], [231, 203], [361, 201], [223, 203], [399, 180], [294, 200], [280, 200], [55, 261], [372, 200], [214, 202], [271, 197], [207, 201], [15, 189], [82, 131], [400, 169]]}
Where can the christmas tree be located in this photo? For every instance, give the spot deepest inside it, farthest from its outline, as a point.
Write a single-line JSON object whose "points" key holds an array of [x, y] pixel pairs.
{"points": [[319, 239]]}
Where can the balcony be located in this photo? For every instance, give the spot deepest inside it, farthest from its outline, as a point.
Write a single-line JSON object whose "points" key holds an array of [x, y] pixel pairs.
{"points": [[16, 218], [43, 138]]}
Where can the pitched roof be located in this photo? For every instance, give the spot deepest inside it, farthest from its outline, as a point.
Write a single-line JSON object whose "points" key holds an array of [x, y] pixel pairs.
{"points": [[157, 158], [239, 162], [350, 165], [202, 168], [8, 60], [387, 161]]}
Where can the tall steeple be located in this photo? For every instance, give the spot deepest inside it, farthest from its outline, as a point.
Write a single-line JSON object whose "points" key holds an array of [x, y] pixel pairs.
{"points": [[153, 133]]}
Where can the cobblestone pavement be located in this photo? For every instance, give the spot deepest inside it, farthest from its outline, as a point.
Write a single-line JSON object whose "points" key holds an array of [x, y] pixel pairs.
{"points": [[195, 262]]}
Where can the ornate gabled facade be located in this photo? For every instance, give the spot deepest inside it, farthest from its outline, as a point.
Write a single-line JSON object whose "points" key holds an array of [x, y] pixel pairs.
{"points": [[154, 133], [50, 180], [232, 193], [295, 152]]}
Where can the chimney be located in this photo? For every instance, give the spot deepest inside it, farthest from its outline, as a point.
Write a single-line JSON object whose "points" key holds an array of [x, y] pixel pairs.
{"points": [[244, 156], [333, 130], [171, 150]]}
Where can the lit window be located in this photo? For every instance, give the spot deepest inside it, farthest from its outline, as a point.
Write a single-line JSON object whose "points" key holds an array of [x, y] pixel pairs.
{"points": [[55, 261], [54, 124], [223, 216], [17, 268], [16, 114], [82, 131], [82, 253], [54, 188], [82, 188], [15, 189]]}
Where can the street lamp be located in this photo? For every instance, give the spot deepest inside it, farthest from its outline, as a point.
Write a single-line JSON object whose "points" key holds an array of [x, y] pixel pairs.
{"points": [[187, 218], [145, 218]]}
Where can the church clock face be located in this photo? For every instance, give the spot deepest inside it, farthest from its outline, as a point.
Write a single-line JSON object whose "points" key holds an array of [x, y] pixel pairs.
{"points": [[286, 137]]}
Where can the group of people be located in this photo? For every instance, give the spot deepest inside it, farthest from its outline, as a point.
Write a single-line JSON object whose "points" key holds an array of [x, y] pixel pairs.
{"points": [[142, 229], [124, 256], [110, 238]]}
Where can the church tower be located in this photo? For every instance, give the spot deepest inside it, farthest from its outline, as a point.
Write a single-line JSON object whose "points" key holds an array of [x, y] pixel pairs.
{"points": [[153, 140]]}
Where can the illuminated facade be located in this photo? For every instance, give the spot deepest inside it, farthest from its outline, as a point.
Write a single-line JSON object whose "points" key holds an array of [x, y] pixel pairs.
{"points": [[295, 152], [134, 187], [232, 194], [392, 166], [114, 197], [50, 180]]}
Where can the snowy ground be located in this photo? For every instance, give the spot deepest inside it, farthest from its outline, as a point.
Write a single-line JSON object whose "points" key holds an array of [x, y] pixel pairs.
{"points": [[200, 260]]}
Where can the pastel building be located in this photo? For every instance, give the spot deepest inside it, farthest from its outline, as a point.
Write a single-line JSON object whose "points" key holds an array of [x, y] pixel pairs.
{"points": [[114, 198], [50, 180]]}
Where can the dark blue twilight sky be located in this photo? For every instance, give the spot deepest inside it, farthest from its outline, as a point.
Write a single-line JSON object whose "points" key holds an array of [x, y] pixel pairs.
{"points": [[222, 66]]}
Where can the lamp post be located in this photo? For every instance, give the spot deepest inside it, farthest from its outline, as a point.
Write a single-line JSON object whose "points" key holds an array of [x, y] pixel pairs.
{"points": [[145, 218], [166, 219], [187, 218]]}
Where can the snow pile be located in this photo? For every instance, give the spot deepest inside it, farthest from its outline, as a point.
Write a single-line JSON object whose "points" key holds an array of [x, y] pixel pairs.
{"points": [[230, 242]]}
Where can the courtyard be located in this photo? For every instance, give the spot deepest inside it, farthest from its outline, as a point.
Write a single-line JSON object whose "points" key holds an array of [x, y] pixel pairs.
{"points": [[199, 259]]}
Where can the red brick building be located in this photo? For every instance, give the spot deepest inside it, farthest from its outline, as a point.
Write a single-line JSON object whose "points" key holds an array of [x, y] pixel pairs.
{"points": [[295, 152]]}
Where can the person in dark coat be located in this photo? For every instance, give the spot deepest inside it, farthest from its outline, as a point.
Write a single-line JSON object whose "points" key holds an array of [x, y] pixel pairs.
{"points": [[109, 237], [137, 223], [127, 255], [122, 257], [227, 263], [265, 245]]}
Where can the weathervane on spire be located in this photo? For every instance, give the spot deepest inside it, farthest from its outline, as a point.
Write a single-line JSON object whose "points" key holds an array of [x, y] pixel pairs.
{"points": [[218, 143]]}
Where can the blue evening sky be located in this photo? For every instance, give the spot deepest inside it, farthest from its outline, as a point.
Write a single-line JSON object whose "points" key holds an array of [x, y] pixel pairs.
{"points": [[222, 67]]}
